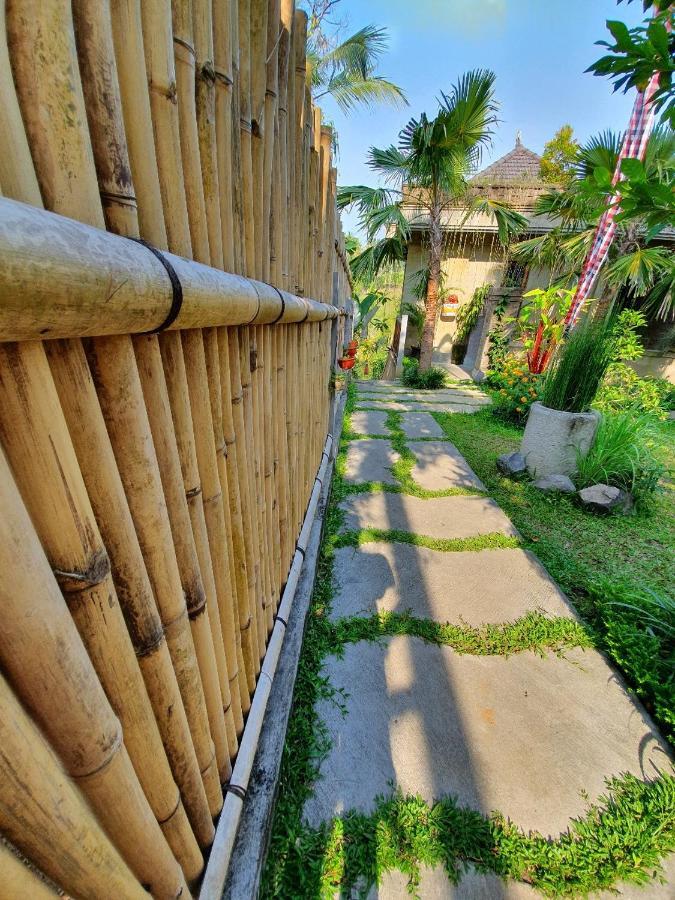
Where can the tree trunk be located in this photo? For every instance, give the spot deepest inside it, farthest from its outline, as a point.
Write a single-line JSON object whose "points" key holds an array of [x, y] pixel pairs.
{"points": [[431, 302]]}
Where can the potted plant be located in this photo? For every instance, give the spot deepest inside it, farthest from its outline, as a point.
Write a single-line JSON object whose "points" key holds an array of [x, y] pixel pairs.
{"points": [[353, 344], [346, 362], [562, 425], [349, 351]]}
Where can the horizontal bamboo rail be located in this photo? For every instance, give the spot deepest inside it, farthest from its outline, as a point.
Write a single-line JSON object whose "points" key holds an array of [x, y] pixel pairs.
{"points": [[173, 291]]}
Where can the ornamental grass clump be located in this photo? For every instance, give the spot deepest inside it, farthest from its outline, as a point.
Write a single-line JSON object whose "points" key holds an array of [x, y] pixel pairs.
{"points": [[573, 380]]}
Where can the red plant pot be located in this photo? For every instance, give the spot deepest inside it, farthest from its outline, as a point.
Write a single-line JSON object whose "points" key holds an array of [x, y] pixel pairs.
{"points": [[350, 352], [352, 345], [347, 362]]}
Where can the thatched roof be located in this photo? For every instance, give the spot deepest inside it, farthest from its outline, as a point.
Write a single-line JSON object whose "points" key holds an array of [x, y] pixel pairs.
{"points": [[518, 165]]}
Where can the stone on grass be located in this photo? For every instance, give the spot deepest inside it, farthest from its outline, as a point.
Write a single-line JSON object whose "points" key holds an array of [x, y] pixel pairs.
{"points": [[603, 498], [555, 484], [512, 463]]}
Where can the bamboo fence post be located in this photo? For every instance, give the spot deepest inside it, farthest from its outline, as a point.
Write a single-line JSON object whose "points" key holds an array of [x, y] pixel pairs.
{"points": [[151, 373], [176, 381], [222, 39], [18, 880], [99, 470], [119, 389], [299, 78], [127, 32], [184, 60], [262, 407], [291, 140], [230, 491], [271, 136], [43, 813], [286, 545], [326, 251], [259, 124], [237, 170], [206, 125], [161, 73], [195, 365], [281, 240], [271, 413], [233, 425], [60, 677], [247, 189]]}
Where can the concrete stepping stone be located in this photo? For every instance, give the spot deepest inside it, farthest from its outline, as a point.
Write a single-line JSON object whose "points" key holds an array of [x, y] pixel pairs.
{"points": [[525, 735], [435, 885], [420, 425], [452, 396], [420, 407], [438, 517], [440, 465], [467, 586], [370, 461], [370, 422]]}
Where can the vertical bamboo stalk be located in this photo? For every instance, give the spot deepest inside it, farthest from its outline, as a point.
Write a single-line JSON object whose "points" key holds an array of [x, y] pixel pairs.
{"points": [[127, 32], [206, 125], [186, 420], [257, 57], [40, 808], [283, 466], [299, 77], [104, 486], [271, 134], [271, 456], [325, 251], [50, 667], [237, 560], [161, 424], [263, 473], [237, 171], [118, 386], [222, 39], [245, 136], [281, 228], [161, 73], [291, 141], [195, 366]]}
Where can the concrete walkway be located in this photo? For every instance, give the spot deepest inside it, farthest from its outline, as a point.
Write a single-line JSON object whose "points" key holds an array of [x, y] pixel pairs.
{"points": [[531, 736]]}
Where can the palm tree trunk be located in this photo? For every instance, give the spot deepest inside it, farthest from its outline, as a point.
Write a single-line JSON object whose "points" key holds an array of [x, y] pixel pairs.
{"points": [[431, 302]]}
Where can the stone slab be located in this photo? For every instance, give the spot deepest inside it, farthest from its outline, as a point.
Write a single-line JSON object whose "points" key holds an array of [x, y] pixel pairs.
{"points": [[454, 395], [370, 461], [440, 465], [438, 517], [456, 586], [524, 735], [369, 422], [420, 425], [420, 407]]}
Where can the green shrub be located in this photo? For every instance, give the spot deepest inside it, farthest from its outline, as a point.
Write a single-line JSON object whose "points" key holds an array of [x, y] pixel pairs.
{"points": [[579, 366], [433, 379], [622, 455], [516, 389], [622, 388]]}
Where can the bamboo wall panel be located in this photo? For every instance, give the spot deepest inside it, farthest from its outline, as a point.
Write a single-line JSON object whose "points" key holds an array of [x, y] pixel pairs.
{"points": [[173, 285]]}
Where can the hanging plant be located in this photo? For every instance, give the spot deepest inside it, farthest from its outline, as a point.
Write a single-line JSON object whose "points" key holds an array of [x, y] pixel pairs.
{"points": [[346, 362]]}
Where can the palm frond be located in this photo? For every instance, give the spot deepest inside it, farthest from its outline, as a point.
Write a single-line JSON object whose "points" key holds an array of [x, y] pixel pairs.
{"points": [[641, 269], [368, 263], [388, 162], [359, 53], [509, 222]]}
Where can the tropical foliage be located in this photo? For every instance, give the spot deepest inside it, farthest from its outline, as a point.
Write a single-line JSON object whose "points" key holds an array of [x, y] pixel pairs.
{"points": [[540, 324], [430, 168], [515, 390], [559, 157]]}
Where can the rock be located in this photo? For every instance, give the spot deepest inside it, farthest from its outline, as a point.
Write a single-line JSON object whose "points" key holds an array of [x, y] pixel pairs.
{"points": [[512, 464], [555, 483], [603, 498]]}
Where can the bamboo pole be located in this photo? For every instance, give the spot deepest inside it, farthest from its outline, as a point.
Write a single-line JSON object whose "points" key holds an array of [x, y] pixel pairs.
{"points": [[18, 880], [325, 248], [237, 176], [42, 811], [281, 335], [222, 39], [127, 32], [60, 677], [248, 212], [259, 125], [206, 124], [104, 486], [155, 393], [281, 228], [119, 389], [176, 380], [299, 77], [263, 472], [161, 73], [271, 135]]}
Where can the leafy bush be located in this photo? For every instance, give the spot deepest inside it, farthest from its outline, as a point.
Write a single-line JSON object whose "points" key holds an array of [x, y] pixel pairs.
{"points": [[572, 382], [622, 455], [432, 379], [622, 388], [627, 341], [516, 390]]}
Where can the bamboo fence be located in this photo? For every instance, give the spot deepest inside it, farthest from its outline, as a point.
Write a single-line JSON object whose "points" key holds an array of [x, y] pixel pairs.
{"points": [[173, 287]]}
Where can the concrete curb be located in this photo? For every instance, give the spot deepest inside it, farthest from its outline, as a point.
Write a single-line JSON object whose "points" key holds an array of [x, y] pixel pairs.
{"points": [[250, 849]]}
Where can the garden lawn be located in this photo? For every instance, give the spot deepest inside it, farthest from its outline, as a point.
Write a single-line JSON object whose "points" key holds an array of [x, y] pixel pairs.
{"points": [[593, 558]]}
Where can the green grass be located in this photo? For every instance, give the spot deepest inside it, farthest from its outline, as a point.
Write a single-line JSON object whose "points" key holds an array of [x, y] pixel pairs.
{"points": [[584, 553], [493, 541]]}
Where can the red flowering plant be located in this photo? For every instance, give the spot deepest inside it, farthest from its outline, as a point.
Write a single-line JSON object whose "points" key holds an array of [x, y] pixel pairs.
{"points": [[540, 324]]}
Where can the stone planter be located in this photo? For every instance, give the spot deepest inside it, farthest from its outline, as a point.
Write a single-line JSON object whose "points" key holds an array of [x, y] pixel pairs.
{"points": [[552, 438]]}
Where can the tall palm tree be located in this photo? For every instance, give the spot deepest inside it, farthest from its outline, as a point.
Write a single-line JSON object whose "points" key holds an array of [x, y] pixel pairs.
{"points": [[431, 166], [636, 268]]}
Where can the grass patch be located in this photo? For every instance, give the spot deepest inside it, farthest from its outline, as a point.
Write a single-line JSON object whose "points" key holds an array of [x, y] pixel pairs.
{"points": [[592, 558], [532, 631], [494, 540]]}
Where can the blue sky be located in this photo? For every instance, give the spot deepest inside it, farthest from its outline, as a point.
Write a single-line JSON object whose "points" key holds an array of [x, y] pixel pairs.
{"points": [[537, 48]]}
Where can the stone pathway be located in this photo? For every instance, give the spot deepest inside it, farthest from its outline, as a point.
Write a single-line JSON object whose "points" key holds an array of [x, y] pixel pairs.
{"points": [[532, 736]]}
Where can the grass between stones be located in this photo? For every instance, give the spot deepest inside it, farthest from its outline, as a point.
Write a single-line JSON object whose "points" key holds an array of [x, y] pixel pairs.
{"points": [[494, 540], [622, 837]]}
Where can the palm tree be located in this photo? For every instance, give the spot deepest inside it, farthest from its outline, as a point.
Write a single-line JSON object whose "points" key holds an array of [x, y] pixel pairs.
{"points": [[636, 267], [431, 165]]}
